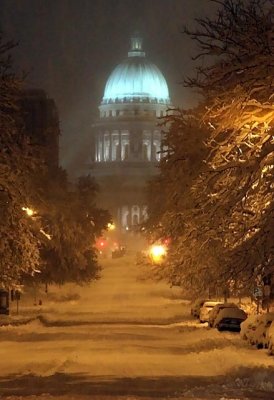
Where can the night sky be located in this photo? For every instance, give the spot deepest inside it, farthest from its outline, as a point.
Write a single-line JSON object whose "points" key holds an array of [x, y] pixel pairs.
{"points": [[69, 48]]}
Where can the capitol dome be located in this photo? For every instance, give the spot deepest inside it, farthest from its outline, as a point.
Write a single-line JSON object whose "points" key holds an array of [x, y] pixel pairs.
{"points": [[136, 80]]}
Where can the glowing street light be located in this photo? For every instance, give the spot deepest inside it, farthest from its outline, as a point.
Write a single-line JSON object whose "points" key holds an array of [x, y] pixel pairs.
{"points": [[28, 211], [47, 235], [157, 253], [111, 226]]}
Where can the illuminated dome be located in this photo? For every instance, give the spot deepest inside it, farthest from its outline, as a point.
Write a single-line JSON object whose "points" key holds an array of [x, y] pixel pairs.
{"points": [[136, 80]]}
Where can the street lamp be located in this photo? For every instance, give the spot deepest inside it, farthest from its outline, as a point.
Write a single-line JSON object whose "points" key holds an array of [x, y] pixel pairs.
{"points": [[28, 211], [157, 253], [111, 226], [31, 213]]}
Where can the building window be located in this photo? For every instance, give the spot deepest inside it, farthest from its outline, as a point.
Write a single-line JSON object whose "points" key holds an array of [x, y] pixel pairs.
{"points": [[157, 145], [125, 152], [115, 146], [99, 148], [125, 217], [145, 152], [144, 213], [106, 147], [146, 145], [124, 145], [135, 215]]}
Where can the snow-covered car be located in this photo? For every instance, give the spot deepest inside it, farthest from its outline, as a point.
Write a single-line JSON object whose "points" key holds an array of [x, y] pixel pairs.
{"points": [[249, 326], [215, 311], [270, 339], [205, 310], [118, 252], [230, 319], [260, 335], [196, 306]]}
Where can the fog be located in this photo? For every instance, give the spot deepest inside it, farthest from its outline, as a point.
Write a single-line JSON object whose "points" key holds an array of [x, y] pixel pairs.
{"points": [[69, 48]]}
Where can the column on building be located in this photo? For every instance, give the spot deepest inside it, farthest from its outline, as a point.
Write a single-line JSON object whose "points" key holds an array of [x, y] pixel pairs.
{"points": [[95, 155], [103, 146], [152, 149], [99, 146], [110, 146]]}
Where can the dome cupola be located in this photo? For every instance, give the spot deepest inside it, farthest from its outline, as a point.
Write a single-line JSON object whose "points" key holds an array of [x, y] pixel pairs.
{"points": [[136, 79]]}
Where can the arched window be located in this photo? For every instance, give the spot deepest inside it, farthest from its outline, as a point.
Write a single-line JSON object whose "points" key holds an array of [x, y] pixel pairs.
{"points": [[145, 152], [115, 145], [135, 219], [126, 151], [124, 145], [106, 146], [154, 152], [135, 212], [125, 216]]}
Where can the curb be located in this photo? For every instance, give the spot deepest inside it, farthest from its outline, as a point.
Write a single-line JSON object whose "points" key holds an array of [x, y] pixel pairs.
{"points": [[15, 322]]}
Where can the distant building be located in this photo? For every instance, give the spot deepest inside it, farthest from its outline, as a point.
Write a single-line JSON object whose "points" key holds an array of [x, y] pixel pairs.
{"points": [[127, 138], [41, 123]]}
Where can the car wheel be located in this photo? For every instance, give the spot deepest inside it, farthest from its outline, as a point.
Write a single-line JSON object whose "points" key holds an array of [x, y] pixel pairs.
{"points": [[259, 346]]}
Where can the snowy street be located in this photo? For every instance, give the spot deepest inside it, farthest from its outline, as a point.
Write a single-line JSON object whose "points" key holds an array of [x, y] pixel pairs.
{"points": [[123, 337]]}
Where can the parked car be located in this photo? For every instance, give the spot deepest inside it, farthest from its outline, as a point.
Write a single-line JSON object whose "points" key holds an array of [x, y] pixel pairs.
{"points": [[196, 306], [230, 319], [205, 310], [260, 336], [270, 339], [118, 252], [215, 311], [249, 326]]}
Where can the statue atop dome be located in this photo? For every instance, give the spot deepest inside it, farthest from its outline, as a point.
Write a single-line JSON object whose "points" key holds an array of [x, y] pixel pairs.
{"points": [[136, 49]]}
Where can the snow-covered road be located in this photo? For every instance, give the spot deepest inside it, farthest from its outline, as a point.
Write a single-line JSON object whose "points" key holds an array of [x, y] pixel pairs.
{"points": [[124, 336]]}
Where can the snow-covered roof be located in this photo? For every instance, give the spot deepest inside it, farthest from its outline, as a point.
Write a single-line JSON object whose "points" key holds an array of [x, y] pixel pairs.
{"points": [[136, 79], [232, 312], [211, 303]]}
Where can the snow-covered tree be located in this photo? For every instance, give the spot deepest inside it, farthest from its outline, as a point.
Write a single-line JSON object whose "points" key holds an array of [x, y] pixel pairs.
{"points": [[71, 222], [19, 247], [47, 226], [228, 233], [183, 151], [172, 203], [238, 91]]}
